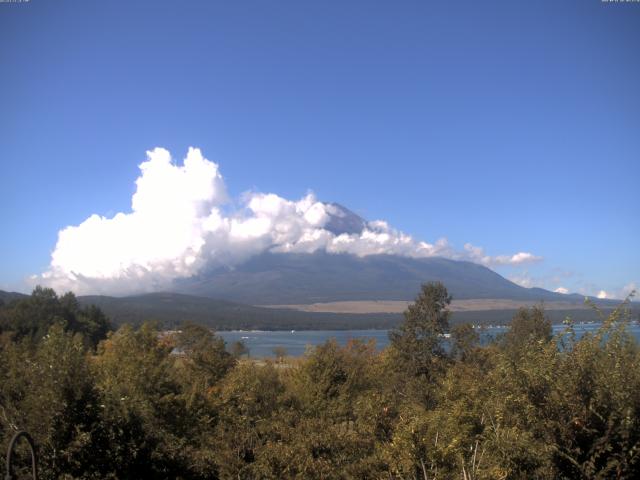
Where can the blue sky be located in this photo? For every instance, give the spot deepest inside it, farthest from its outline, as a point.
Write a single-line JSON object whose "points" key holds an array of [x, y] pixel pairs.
{"points": [[514, 126]]}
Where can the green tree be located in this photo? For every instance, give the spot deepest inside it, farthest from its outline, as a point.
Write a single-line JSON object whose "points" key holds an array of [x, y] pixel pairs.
{"points": [[145, 420], [48, 390], [529, 326], [464, 341], [592, 414], [205, 356], [416, 345], [32, 317], [248, 403]]}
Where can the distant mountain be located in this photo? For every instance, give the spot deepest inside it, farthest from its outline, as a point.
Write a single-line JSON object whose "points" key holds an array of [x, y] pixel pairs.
{"points": [[295, 278], [172, 310], [229, 298], [342, 220], [6, 297]]}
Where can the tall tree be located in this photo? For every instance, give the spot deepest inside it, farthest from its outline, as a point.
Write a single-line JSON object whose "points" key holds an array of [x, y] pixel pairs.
{"points": [[416, 345]]}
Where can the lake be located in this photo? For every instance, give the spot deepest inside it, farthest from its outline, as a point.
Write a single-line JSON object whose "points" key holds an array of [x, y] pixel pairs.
{"points": [[261, 343]]}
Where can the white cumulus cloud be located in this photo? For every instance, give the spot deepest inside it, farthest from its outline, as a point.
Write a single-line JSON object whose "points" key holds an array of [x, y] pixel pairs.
{"points": [[562, 290], [180, 222], [478, 255], [620, 293], [523, 279]]}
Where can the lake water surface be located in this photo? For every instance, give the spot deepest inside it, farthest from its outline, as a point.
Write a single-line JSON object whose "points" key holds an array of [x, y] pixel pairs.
{"points": [[262, 343]]}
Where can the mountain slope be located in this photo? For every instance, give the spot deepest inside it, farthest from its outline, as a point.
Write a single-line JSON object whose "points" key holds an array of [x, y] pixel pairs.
{"points": [[6, 297], [172, 310], [342, 220], [288, 278]]}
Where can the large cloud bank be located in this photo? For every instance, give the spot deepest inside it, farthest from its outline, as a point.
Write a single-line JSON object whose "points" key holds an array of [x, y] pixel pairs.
{"points": [[181, 221]]}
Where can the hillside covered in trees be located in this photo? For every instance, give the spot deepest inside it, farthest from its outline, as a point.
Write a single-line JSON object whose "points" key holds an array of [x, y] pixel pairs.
{"points": [[125, 404]]}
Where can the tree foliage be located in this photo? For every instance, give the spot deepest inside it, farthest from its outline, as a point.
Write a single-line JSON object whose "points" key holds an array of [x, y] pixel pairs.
{"points": [[146, 404], [32, 317]]}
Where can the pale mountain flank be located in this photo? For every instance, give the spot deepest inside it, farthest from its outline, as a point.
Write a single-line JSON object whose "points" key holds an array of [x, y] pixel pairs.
{"points": [[399, 306]]}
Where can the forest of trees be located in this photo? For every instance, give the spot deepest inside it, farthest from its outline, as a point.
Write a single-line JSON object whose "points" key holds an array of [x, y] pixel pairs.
{"points": [[135, 404]]}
